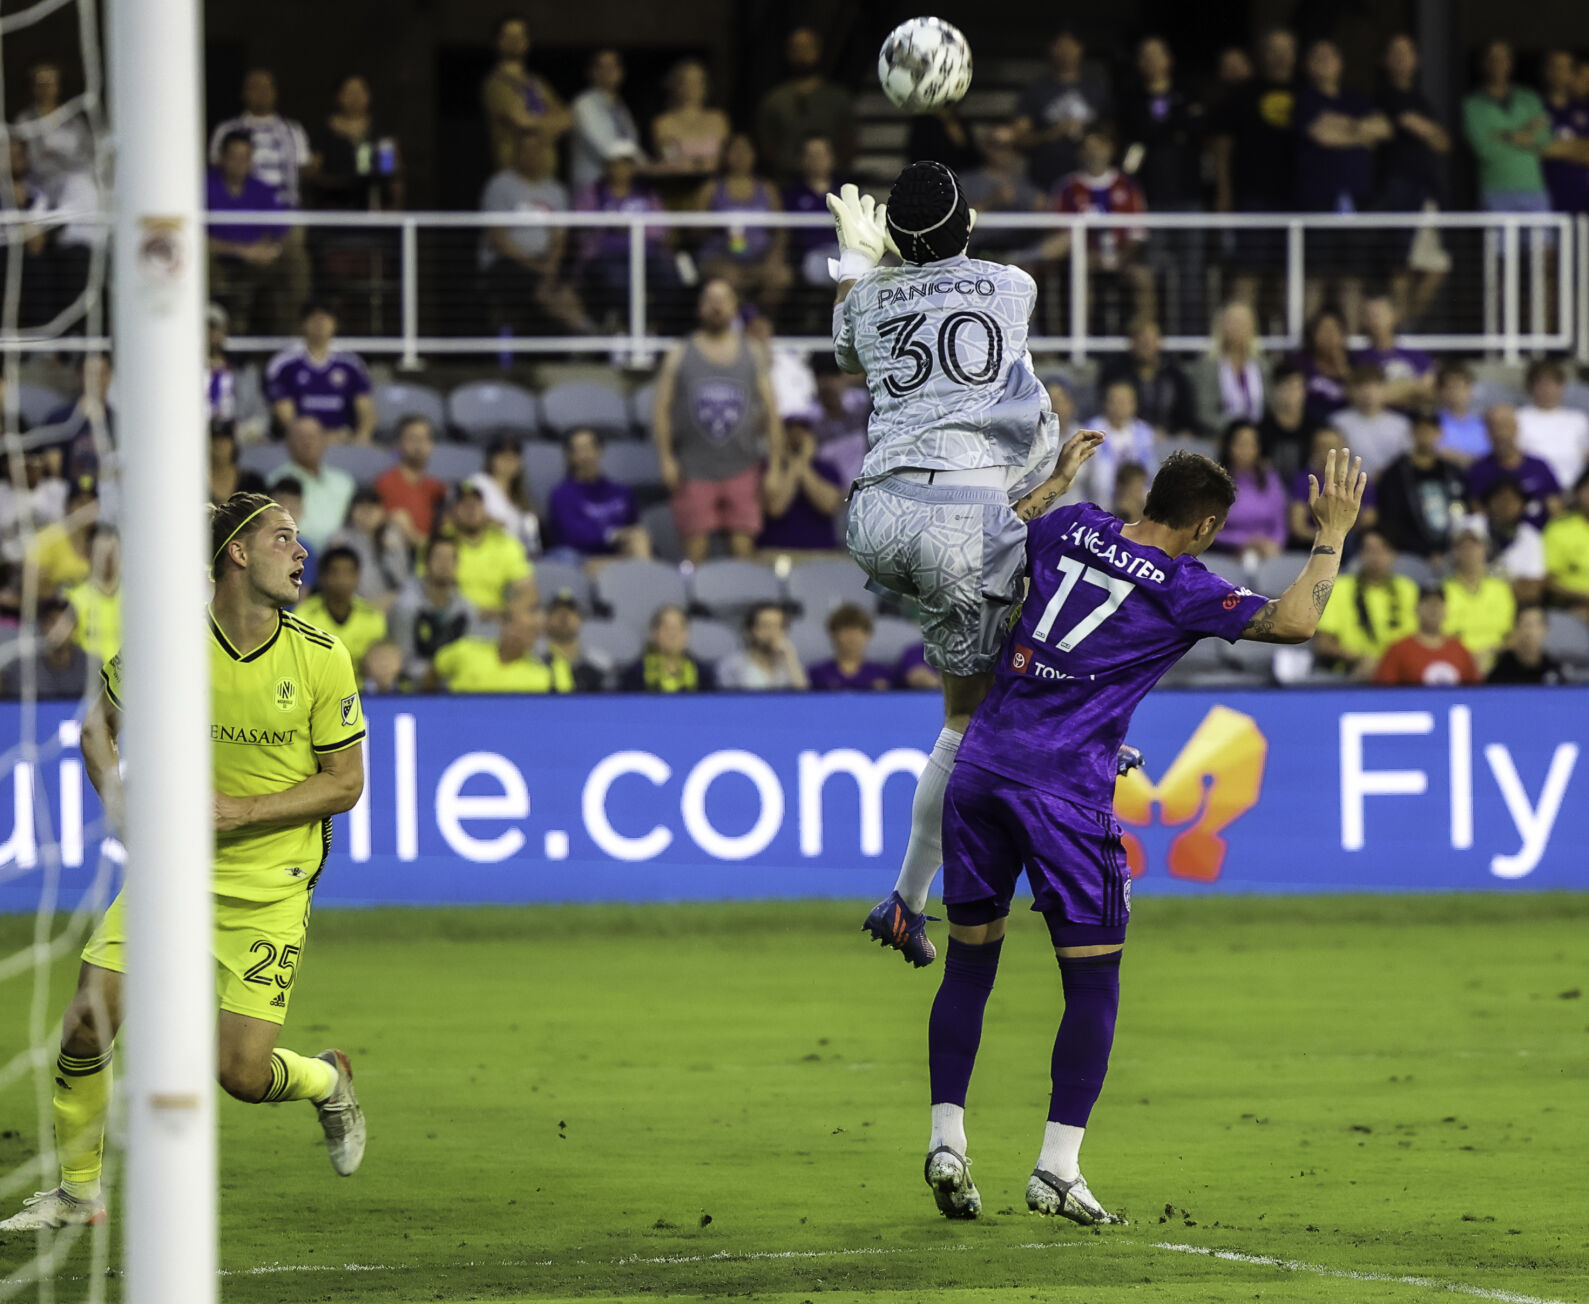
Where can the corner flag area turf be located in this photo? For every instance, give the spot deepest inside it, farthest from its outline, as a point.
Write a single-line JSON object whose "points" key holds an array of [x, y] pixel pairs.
{"points": [[1342, 1099]]}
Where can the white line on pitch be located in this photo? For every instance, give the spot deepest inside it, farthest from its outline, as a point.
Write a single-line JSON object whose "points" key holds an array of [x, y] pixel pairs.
{"points": [[1319, 1270], [724, 1256]]}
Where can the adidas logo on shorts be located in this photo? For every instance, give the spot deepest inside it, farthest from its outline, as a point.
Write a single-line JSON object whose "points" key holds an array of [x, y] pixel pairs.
{"points": [[279, 1001]]}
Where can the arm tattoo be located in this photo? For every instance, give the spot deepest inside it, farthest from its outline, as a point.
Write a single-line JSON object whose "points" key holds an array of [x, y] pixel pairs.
{"points": [[1263, 623], [1321, 594], [1036, 503], [1323, 550]]}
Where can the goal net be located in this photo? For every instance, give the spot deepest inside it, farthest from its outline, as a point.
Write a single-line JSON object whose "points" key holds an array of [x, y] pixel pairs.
{"points": [[59, 600]]}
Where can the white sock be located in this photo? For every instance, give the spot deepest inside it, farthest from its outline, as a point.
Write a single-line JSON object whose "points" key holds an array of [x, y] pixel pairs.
{"points": [[948, 1128], [924, 852], [1061, 1151]]}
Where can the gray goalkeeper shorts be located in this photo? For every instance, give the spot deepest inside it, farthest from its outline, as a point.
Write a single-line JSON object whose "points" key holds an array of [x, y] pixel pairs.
{"points": [[959, 551]]}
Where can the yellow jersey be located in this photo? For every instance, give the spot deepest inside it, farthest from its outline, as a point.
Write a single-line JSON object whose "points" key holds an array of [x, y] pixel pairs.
{"points": [[1391, 610], [274, 711], [60, 564], [98, 629], [363, 629], [473, 665], [488, 565], [1482, 620], [1567, 552]]}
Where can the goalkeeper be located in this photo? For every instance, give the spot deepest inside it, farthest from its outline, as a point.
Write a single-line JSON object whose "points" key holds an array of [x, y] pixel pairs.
{"points": [[964, 451], [287, 729]]}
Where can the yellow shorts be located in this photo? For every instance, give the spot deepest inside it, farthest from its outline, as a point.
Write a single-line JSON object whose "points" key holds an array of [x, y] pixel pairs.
{"points": [[257, 947]]}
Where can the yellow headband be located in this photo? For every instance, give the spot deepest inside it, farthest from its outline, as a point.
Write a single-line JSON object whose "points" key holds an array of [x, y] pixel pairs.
{"points": [[239, 530]]}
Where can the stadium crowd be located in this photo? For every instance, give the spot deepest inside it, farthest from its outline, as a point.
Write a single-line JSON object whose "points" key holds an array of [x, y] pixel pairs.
{"points": [[688, 536]]}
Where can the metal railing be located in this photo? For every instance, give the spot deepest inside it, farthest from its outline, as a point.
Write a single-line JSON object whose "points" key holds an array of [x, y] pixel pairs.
{"points": [[1518, 283]]}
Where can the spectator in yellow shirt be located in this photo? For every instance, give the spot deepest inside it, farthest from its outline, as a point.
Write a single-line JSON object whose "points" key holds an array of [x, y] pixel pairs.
{"points": [[59, 553], [1567, 551], [508, 665], [493, 568], [1368, 611], [337, 608], [96, 602], [1480, 607]]}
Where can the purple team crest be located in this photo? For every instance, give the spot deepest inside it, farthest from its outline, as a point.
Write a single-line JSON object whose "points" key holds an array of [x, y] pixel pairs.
{"points": [[719, 408]]}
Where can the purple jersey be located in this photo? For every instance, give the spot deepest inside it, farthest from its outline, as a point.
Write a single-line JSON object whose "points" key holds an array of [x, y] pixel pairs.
{"points": [[323, 390], [1567, 181], [1103, 620], [869, 676]]}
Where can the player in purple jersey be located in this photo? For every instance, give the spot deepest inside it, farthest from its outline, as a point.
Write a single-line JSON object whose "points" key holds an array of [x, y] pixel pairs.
{"points": [[1109, 608]]}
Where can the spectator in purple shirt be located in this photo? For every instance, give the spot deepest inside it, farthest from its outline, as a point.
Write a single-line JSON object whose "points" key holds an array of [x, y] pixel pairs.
{"points": [[809, 246], [801, 493], [604, 250], [1257, 519], [316, 379], [590, 515], [1566, 158], [913, 673], [1300, 523], [1507, 460], [850, 631], [245, 257], [1409, 373], [1326, 364]]}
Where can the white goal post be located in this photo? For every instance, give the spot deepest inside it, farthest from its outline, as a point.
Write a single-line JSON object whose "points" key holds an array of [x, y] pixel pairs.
{"points": [[168, 1201]]}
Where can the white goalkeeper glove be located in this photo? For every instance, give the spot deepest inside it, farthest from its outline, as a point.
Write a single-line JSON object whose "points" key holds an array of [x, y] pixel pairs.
{"points": [[863, 233]]}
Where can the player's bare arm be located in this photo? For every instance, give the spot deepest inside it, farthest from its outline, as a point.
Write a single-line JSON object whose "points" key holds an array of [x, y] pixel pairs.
{"points": [[1293, 617], [1072, 457], [102, 759], [335, 789]]}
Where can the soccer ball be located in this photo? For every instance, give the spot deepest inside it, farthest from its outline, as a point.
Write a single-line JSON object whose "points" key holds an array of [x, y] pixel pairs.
{"points": [[924, 64]]}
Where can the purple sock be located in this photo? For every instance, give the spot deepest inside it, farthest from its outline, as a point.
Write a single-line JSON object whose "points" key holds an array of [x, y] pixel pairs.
{"points": [[955, 1030], [1081, 1050]]}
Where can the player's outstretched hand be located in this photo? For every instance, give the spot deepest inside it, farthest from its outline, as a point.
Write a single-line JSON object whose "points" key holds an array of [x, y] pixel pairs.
{"points": [[862, 230], [1078, 448], [1336, 502]]}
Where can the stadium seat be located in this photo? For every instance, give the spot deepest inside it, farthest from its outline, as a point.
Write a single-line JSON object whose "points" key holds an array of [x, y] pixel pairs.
{"points": [[616, 640], [396, 399], [819, 586], [1204, 664], [640, 409], [35, 402], [1228, 566], [811, 643], [657, 521], [891, 638], [633, 464], [1188, 444], [262, 459], [1275, 575], [1255, 660], [554, 577], [576, 404], [632, 590], [364, 462], [452, 462], [544, 469], [1567, 638], [1576, 395], [484, 409], [728, 588], [1487, 393], [712, 640], [1417, 569]]}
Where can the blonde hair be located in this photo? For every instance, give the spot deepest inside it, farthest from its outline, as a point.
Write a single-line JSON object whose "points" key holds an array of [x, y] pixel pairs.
{"points": [[1216, 343]]}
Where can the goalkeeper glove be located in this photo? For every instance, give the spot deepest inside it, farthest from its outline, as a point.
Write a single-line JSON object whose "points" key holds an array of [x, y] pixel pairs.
{"points": [[863, 233]]}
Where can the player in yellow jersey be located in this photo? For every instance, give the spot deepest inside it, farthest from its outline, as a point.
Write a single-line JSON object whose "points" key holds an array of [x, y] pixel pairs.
{"points": [[288, 755]]}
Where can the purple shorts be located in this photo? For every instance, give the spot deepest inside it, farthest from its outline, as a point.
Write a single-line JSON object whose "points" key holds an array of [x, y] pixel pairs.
{"points": [[993, 827]]}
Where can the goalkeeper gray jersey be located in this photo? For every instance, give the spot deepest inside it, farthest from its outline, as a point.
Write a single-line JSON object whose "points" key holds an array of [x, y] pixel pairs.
{"points": [[943, 346]]}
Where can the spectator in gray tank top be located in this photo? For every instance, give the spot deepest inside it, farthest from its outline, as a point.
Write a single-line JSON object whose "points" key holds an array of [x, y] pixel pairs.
{"points": [[716, 420]]}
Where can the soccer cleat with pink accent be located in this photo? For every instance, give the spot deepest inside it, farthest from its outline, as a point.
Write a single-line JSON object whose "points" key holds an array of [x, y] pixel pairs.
{"points": [[46, 1210], [341, 1117]]}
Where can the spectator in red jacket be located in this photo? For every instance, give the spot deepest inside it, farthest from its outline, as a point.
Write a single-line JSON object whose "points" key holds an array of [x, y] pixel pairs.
{"points": [[1429, 656], [410, 494], [1115, 255]]}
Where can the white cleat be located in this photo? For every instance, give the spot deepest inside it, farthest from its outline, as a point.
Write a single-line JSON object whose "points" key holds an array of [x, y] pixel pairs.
{"points": [[1050, 1195], [949, 1174], [47, 1210], [342, 1118]]}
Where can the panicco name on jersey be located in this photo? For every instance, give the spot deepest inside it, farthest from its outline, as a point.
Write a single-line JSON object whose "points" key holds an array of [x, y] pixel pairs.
{"points": [[981, 286]]}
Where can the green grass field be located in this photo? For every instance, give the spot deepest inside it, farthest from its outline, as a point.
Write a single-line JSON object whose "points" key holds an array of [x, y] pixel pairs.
{"points": [[611, 1103]]}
